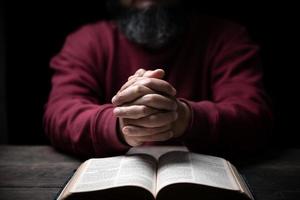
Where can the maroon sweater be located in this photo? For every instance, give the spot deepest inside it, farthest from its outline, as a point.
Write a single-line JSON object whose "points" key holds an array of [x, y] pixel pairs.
{"points": [[215, 68]]}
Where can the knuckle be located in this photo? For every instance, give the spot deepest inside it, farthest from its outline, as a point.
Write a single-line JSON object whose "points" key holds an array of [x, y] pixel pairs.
{"points": [[153, 118], [149, 98], [120, 97], [144, 110], [146, 81], [130, 77], [138, 89], [126, 121], [155, 97], [140, 71], [153, 131]]}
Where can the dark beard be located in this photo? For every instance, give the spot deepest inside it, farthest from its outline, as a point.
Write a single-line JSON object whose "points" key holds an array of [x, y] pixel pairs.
{"points": [[154, 27]]}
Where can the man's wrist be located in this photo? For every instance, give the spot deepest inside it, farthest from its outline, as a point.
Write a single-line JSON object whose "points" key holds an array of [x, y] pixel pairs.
{"points": [[183, 120], [120, 133]]}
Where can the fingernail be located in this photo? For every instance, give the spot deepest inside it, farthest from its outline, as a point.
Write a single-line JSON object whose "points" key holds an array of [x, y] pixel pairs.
{"points": [[140, 72], [161, 71], [174, 91], [125, 130], [116, 111], [113, 99]]}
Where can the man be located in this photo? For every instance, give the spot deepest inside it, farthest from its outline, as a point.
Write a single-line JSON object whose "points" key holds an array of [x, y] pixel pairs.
{"points": [[157, 75]]}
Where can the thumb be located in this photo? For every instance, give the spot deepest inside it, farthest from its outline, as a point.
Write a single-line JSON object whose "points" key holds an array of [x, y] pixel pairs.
{"points": [[158, 73]]}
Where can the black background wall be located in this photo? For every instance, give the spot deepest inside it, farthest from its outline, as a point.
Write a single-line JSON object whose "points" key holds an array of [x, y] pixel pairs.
{"points": [[3, 124], [36, 31]]}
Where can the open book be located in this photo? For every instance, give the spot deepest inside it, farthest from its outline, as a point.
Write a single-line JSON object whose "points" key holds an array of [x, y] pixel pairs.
{"points": [[157, 173]]}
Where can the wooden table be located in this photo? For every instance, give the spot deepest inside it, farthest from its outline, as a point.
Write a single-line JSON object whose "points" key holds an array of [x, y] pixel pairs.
{"points": [[39, 172]]}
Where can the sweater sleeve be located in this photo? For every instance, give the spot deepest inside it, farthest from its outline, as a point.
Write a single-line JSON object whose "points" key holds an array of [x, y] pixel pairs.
{"points": [[238, 117], [75, 119]]}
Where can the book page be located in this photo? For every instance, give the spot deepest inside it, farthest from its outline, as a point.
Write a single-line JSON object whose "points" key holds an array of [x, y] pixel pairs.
{"points": [[138, 170], [184, 167], [241, 181], [104, 173], [155, 151], [213, 171], [174, 167], [66, 190]]}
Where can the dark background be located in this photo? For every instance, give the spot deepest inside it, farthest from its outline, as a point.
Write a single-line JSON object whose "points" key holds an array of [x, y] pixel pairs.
{"points": [[32, 32]]}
